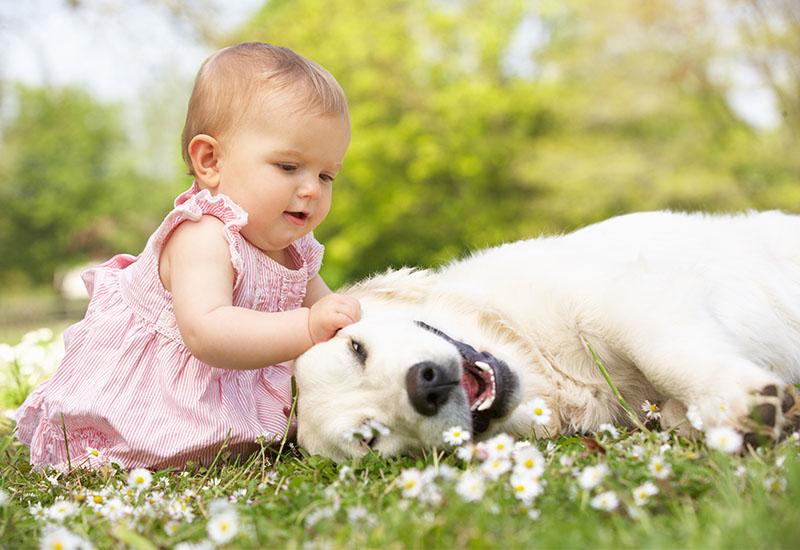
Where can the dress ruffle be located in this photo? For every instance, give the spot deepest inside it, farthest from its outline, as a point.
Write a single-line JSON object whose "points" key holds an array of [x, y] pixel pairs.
{"points": [[192, 205]]}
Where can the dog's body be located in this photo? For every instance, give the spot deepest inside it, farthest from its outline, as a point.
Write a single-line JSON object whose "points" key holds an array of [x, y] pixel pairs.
{"points": [[680, 309]]}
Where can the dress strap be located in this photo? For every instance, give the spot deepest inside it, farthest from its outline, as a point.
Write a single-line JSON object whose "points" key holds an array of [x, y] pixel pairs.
{"points": [[191, 205]]}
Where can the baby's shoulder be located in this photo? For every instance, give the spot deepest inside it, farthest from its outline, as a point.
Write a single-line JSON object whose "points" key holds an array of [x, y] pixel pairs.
{"points": [[200, 242], [208, 231]]}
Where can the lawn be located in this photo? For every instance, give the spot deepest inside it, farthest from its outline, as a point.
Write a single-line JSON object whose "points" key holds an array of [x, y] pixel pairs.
{"points": [[611, 489]]}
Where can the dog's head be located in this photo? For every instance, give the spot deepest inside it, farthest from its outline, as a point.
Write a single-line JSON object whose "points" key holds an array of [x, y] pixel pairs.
{"points": [[395, 385]]}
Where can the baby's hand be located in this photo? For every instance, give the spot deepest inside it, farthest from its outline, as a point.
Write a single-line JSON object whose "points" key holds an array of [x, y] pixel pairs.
{"points": [[331, 313]]}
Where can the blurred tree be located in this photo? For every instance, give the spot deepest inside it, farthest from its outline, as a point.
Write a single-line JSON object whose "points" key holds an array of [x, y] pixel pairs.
{"points": [[474, 122], [770, 36], [454, 148], [65, 198], [437, 125]]}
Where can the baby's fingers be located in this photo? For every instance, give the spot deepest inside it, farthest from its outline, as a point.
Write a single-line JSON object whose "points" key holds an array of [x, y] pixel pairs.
{"points": [[352, 308]]}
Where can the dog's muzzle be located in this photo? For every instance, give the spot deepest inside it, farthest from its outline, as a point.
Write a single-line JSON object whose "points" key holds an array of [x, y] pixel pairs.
{"points": [[487, 381]]}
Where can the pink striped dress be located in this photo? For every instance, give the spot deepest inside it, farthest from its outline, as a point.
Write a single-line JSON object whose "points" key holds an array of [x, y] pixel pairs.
{"points": [[130, 388]]}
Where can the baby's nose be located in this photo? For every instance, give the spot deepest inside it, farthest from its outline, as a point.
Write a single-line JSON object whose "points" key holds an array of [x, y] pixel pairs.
{"points": [[309, 188]]}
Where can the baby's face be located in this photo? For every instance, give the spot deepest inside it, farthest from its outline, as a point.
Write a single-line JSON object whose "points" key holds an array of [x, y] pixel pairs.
{"points": [[279, 166]]}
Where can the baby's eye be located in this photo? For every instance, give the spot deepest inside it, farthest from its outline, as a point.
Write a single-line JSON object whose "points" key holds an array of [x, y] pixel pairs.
{"points": [[286, 167], [327, 178]]}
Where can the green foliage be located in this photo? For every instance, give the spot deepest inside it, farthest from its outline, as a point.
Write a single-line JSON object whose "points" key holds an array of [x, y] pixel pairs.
{"points": [[474, 122], [455, 150], [66, 194]]}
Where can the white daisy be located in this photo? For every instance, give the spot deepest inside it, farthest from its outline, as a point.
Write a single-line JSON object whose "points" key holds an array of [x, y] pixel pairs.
{"points": [[223, 527], [495, 467], [694, 418], [529, 460], [651, 410], [659, 467], [366, 431], [61, 509], [59, 538], [219, 506], [636, 452], [591, 476], [538, 410], [605, 501], [445, 472], [344, 472], [114, 509], [471, 486], [178, 510], [467, 452], [534, 514], [410, 481], [642, 493], [724, 438], [500, 446], [3, 498], [456, 436], [608, 428], [139, 479], [171, 527], [525, 487], [566, 461], [430, 494], [775, 484], [37, 511]]}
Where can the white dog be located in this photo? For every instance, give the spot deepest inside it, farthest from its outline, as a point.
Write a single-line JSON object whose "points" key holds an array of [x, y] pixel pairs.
{"points": [[681, 309]]}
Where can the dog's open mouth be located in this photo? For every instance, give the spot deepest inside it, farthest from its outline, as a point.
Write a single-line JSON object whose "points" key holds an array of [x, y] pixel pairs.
{"points": [[489, 385], [488, 382], [480, 385]]}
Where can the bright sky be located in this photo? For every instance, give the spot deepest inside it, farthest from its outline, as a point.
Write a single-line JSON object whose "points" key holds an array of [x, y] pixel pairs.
{"points": [[112, 47], [117, 48]]}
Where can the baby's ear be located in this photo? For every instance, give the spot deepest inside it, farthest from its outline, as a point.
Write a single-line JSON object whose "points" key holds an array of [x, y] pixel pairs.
{"points": [[204, 154]]}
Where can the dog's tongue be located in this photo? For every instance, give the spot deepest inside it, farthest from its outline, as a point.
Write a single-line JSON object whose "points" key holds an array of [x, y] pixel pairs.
{"points": [[471, 385]]}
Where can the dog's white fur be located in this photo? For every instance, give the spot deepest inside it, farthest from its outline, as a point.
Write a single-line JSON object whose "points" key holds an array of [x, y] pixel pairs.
{"points": [[682, 309]]}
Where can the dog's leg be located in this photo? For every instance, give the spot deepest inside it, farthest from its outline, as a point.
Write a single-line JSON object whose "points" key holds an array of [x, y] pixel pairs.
{"points": [[697, 367]]}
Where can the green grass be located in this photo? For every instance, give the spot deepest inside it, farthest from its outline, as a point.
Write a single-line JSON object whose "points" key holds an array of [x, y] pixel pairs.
{"points": [[702, 504], [292, 500]]}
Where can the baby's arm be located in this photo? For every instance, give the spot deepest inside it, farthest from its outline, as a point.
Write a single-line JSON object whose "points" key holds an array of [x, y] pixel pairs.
{"points": [[196, 269]]}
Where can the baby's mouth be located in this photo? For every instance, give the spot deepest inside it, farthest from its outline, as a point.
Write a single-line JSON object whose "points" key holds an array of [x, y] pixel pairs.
{"points": [[298, 217]]}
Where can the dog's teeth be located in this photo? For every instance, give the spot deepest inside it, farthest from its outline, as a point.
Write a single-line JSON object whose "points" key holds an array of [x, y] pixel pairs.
{"points": [[486, 404], [483, 366], [474, 406]]}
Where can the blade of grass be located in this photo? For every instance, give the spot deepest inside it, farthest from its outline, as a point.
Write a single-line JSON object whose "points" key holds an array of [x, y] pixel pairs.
{"points": [[288, 423], [621, 400]]}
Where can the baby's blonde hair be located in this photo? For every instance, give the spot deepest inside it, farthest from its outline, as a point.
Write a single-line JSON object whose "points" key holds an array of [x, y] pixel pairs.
{"points": [[235, 80]]}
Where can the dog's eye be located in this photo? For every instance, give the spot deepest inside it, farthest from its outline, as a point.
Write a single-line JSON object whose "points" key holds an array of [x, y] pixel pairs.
{"points": [[359, 350]]}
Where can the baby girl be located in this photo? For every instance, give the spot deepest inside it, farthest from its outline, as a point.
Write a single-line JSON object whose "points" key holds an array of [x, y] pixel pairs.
{"points": [[184, 347]]}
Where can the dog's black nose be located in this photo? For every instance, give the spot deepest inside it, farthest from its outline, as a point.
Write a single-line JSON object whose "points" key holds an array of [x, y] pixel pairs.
{"points": [[428, 386]]}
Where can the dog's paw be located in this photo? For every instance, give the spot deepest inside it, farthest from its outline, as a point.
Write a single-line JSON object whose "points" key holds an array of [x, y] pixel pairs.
{"points": [[774, 413]]}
